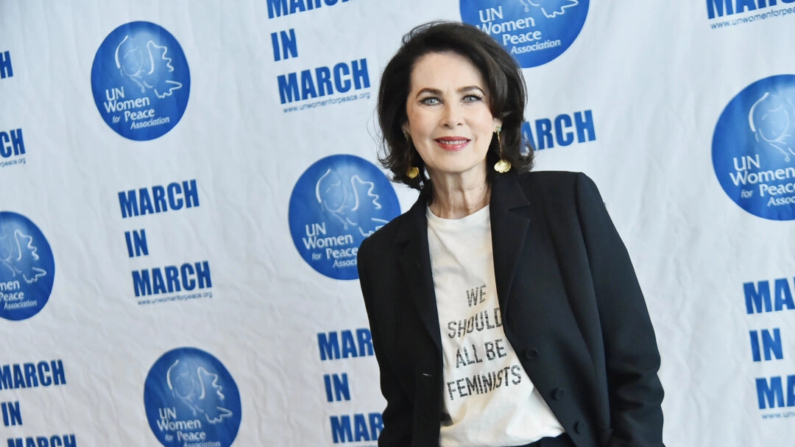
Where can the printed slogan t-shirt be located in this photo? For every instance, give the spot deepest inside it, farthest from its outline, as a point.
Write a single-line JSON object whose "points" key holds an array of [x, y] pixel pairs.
{"points": [[487, 394]]}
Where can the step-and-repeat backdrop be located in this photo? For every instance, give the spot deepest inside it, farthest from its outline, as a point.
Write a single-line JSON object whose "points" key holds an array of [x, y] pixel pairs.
{"points": [[184, 187]]}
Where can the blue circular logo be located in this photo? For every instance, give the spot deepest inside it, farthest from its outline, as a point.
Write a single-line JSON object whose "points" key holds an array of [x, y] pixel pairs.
{"points": [[337, 202], [140, 80], [753, 149], [192, 400], [27, 268], [533, 31]]}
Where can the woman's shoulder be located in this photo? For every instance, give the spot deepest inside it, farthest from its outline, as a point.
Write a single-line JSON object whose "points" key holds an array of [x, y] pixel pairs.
{"points": [[558, 189], [387, 233], [551, 182]]}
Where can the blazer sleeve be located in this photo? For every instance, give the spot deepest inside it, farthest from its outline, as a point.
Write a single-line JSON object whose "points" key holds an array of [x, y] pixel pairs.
{"points": [[398, 415], [631, 356]]}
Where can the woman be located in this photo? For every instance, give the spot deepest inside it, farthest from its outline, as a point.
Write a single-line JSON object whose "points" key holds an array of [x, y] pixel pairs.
{"points": [[503, 305]]}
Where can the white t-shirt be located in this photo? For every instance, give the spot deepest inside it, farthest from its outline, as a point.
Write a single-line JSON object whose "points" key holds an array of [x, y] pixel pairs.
{"points": [[487, 394]]}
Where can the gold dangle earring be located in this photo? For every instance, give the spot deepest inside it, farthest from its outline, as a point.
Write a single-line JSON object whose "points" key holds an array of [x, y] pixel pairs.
{"points": [[412, 172], [503, 165]]}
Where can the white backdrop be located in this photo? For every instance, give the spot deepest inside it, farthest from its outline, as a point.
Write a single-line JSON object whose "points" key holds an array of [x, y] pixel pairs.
{"points": [[654, 77]]}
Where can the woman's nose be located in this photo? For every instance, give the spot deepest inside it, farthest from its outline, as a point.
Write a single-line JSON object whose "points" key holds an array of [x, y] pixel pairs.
{"points": [[452, 115]]}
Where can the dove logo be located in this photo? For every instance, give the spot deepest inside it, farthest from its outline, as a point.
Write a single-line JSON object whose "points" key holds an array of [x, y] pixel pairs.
{"points": [[338, 202], [191, 399], [140, 81], [533, 31], [753, 148], [27, 268]]}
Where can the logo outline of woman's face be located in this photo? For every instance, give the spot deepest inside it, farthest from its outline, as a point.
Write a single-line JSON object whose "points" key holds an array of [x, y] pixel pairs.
{"points": [[771, 120]]}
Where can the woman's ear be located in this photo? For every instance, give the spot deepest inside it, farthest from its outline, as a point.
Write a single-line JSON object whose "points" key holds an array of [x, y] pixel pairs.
{"points": [[497, 123]]}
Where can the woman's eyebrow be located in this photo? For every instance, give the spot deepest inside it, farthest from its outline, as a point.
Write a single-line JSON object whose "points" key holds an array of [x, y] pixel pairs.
{"points": [[471, 88], [434, 91]]}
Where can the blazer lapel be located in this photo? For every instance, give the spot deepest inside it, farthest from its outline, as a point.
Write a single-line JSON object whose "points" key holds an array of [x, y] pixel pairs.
{"points": [[415, 262], [509, 224]]}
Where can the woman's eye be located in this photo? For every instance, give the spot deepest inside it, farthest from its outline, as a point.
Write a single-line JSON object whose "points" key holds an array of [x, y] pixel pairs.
{"points": [[430, 100], [472, 98]]}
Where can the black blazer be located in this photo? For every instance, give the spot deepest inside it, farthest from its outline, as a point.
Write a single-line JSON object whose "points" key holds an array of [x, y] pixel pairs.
{"points": [[571, 304]]}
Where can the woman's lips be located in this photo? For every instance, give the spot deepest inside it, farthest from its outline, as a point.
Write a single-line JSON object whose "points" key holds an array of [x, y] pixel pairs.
{"points": [[452, 143]]}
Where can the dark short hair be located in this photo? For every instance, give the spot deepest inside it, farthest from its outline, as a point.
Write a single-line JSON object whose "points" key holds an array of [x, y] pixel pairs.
{"points": [[503, 78]]}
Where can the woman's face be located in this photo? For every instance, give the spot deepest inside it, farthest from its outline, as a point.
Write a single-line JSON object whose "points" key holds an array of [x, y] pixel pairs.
{"points": [[449, 120]]}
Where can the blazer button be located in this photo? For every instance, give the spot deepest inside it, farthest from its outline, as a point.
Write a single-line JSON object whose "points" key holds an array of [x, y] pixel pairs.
{"points": [[578, 427], [531, 354], [558, 394]]}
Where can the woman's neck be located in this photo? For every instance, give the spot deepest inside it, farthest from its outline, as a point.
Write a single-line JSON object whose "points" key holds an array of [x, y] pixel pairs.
{"points": [[459, 196]]}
